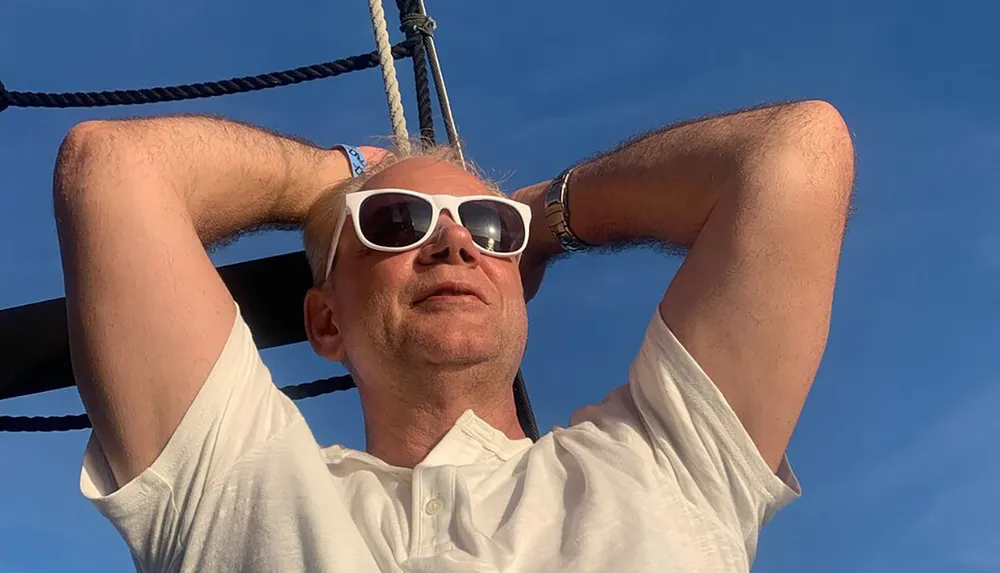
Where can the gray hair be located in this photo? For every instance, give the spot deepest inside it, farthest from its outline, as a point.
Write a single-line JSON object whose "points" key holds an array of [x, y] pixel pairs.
{"points": [[318, 226]]}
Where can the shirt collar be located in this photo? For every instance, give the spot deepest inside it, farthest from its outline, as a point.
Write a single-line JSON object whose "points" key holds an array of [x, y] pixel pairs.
{"points": [[470, 441]]}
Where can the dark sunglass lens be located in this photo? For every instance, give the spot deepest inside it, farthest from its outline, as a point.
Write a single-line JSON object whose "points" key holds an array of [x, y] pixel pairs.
{"points": [[494, 226], [394, 219]]}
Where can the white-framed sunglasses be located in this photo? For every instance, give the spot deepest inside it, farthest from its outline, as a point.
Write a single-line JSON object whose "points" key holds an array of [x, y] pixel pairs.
{"points": [[396, 220]]}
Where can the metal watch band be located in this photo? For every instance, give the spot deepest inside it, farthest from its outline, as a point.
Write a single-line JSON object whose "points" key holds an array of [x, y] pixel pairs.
{"points": [[557, 214]]}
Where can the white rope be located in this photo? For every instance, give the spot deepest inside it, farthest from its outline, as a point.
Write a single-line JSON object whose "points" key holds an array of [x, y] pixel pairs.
{"points": [[396, 114]]}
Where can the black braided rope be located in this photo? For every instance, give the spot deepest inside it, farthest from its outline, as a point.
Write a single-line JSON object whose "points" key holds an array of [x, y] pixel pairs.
{"points": [[82, 422], [319, 387], [425, 109], [44, 423], [200, 90], [525, 413], [410, 26]]}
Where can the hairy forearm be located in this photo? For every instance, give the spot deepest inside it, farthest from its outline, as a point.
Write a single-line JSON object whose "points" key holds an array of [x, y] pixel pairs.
{"points": [[664, 185], [230, 177]]}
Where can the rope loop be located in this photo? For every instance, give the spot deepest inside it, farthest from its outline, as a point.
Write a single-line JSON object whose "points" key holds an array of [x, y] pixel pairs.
{"points": [[414, 23]]}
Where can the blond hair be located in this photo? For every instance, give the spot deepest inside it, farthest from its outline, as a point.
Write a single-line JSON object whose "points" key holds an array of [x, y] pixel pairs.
{"points": [[318, 226]]}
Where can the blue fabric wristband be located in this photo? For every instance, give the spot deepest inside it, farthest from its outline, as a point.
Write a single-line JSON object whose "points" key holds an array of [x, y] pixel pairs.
{"points": [[358, 163]]}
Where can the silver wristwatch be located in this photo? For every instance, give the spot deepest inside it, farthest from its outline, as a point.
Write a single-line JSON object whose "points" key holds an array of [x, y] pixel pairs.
{"points": [[557, 214]]}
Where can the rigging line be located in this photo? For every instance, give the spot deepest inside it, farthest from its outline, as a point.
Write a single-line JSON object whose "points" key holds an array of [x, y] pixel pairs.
{"points": [[396, 113], [435, 64], [82, 421], [198, 90], [408, 9]]}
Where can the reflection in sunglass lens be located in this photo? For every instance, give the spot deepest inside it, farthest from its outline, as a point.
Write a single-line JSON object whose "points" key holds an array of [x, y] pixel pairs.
{"points": [[494, 226], [394, 219]]}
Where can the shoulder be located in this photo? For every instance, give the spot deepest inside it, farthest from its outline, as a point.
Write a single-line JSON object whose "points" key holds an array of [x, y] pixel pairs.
{"points": [[671, 414]]}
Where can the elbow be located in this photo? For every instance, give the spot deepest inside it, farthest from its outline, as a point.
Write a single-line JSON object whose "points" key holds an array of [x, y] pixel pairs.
{"points": [[81, 139], [824, 132], [810, 151], [823, 146], [86, 145]]}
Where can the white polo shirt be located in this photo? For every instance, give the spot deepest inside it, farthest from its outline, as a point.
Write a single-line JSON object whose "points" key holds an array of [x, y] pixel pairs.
{"points": [[659, 477]]}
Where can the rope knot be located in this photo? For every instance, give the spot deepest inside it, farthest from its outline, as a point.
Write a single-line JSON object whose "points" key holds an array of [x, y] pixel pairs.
{"points": [[411, 24]]}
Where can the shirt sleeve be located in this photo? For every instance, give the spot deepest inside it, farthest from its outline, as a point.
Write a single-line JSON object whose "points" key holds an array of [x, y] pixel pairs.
{"points": [[696, 438], [237, 409]]}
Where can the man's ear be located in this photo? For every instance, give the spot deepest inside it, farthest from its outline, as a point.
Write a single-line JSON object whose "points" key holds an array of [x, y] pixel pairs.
{"points": [[321, 326]]}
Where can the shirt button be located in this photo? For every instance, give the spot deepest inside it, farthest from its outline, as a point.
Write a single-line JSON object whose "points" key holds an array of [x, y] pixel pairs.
{"points": [[433, 506]]}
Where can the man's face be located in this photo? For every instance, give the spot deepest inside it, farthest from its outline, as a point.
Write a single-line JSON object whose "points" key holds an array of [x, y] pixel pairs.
{"points": [[385, 322]]}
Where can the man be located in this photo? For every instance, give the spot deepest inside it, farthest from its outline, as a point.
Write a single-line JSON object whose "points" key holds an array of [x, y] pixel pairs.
{"points": [[422, 272]]}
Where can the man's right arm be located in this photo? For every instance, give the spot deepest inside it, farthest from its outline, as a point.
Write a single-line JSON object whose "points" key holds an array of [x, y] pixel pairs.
{"points": [[135, 203]]}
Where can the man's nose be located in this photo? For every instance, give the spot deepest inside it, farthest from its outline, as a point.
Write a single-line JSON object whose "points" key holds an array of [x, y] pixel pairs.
{"points": [[450, 243]]}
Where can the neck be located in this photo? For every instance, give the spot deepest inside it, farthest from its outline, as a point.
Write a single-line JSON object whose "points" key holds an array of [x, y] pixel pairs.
{"points": [[401, 428]]}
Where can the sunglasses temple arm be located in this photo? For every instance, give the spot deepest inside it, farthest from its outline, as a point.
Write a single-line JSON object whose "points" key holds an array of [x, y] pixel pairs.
{"points": [[333, 246]]}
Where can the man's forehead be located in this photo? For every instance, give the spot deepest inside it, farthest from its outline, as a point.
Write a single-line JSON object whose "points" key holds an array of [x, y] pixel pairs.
{"points": [[428, 175]]}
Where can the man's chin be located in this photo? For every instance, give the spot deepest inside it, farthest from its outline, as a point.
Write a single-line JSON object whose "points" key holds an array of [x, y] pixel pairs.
{"points": [[453, 314], [457, 342], [456, 332]]}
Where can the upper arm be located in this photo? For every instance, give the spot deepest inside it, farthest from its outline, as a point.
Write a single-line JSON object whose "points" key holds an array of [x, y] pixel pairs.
{"points": [[752, 301], [148, 313]]}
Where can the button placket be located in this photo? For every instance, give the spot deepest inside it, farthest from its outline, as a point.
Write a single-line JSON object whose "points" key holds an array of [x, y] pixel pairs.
{"points": [[430, 509], [433, 507], [417, 521]]}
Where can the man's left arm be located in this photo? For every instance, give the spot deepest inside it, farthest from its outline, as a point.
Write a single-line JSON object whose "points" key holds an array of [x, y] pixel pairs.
{"points": [[760, 199]]}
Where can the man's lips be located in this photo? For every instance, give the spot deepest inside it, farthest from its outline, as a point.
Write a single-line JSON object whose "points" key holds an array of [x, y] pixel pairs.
{"points": [[450, 288]]}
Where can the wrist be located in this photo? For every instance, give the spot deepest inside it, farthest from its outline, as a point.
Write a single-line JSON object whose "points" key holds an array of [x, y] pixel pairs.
{"points": [[558, 214], [542, 244], [309, 179]]}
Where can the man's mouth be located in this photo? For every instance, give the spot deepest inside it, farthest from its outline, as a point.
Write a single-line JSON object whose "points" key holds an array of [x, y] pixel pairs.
{"points": [[451, 290]]}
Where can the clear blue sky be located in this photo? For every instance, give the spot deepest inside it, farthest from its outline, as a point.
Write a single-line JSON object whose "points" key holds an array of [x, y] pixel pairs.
{"points": [[896, 448]]}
